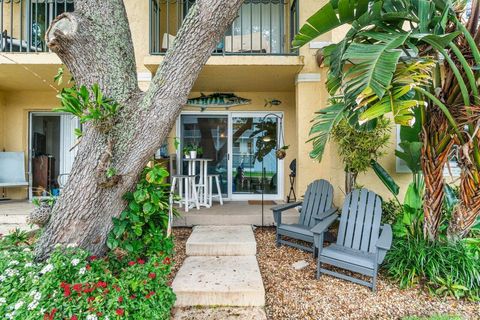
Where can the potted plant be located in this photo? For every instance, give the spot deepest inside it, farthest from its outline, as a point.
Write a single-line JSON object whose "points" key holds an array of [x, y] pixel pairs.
{"points": [[199, 152], [193, 151], [186, 151], [281, 153]]}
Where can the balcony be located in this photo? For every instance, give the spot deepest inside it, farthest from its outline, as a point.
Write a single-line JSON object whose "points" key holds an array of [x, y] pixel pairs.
{"points": [[23, 23], [262, 27]]}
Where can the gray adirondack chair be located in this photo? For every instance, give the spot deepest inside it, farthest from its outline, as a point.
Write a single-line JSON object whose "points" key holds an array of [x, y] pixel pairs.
{"points": [[362, 241], [316, 206]]}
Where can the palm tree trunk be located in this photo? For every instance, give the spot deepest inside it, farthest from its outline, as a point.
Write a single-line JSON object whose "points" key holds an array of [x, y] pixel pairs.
{"points": [[434, 157]]}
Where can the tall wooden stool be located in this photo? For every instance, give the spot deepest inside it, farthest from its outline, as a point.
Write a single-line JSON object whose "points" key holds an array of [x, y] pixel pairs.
{"points": [[210, 189]]}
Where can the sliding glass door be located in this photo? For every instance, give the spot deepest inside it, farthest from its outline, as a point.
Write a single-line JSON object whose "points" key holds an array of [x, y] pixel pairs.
{"points": [[210, 133], [242, 148], [254, 164]]}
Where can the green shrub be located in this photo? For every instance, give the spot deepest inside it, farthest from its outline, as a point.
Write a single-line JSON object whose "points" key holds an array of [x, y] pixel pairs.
{"points": [[141, 228], [71, 284], [444, 269], [391, 211]]}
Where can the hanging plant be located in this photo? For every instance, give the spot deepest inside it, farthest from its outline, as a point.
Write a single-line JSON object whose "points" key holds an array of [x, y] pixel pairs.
{"points": [[281, 153]]}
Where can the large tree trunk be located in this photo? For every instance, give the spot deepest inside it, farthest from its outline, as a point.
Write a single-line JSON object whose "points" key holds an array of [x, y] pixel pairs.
{"points": [[95, 44]]}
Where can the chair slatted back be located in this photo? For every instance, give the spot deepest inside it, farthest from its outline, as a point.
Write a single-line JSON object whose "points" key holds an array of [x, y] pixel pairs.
{"points": [[360, 220], [318, 199]]}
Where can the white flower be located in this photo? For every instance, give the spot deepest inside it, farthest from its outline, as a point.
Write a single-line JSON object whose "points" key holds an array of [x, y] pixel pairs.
{"points": [[13, 263], [9, 315], [32, 293], [92, 317], [33, 305], [82, 271], [2, 278], [28, 265], [18, 305], [2, 301], [75, 262], [11, 272], [71, 245], [47, 268], [26, 250], [37, 296]]}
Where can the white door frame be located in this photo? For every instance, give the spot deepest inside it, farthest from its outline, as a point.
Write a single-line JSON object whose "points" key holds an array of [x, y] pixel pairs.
{"points": [[31, 114], [230, 115]]}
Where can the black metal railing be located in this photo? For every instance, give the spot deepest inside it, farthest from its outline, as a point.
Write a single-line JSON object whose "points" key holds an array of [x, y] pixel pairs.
{"points": [[262, 27], [23, 23]]}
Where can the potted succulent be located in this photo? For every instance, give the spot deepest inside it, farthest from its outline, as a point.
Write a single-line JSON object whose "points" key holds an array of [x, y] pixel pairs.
{"points": [[281, 153]]}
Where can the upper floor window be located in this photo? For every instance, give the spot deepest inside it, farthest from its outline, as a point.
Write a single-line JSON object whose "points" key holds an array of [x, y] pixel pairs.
{"points": [[261, 26], [24, 22]]}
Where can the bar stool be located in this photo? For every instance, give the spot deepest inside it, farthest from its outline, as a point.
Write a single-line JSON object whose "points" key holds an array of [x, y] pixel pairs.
{"points": [[210, 189], [190, 187]]}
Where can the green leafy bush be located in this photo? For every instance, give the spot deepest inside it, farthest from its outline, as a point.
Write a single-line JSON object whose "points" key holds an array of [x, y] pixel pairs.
{"points": [[141, 228], [443, 268], [391, 210], [71, 284]]}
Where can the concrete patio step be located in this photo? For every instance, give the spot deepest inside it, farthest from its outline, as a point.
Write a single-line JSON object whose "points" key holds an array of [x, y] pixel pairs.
{"points": [[219, 313], [13, 218], [219, 281], [221, 241]]}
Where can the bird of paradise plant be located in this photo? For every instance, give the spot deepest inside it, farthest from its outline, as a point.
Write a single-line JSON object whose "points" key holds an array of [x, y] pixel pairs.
{"points": [[402, 56]]}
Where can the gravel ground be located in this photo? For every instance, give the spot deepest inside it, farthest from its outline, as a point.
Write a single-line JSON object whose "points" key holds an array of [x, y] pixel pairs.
{"points": [[292, 294]]}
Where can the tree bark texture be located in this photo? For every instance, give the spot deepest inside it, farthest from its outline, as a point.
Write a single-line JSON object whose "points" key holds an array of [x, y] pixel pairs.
{"points": [[95, 44], [435, 153]]}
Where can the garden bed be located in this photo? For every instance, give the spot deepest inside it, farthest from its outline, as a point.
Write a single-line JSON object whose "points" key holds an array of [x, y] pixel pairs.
{"points": [[292, 294]]}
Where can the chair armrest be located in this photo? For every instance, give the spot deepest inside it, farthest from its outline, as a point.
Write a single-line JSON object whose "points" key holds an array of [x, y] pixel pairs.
{"points": [[325, 214], [384, 242], [286, 206], [322, 226]]}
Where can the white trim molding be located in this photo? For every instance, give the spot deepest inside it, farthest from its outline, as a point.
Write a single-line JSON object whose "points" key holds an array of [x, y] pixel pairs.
{"points": [[144, 76], [307, 77], [319, 44]]}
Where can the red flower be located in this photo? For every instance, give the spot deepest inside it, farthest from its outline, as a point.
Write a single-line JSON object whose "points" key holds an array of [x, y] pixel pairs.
{"points": [[88, 267], [166, 260], [90, 299], [120, 312], [133, 296], [120, 299], [74, 317], [66, 289], [141, 261], [117, 288], [77, 287], [101, 284], [151, 293], [131, 263], [91, 258], [51, 315], [152, 275], [99, 314]]}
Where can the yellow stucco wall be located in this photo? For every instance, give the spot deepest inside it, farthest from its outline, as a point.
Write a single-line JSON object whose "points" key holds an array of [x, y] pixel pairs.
{"points": [[2, 121], [17, 107], [300, 100]]}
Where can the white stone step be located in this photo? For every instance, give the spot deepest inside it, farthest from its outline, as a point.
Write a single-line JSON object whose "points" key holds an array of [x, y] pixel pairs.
{"points": [[8, 228], [221, 241], [219, 313], [219, 281]]}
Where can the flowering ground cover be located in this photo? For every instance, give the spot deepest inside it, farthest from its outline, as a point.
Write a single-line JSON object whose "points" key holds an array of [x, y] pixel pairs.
{"points": [[71, 284]]}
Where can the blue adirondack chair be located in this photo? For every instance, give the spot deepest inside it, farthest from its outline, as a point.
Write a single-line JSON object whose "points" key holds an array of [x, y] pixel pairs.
{"points": [[316, 206], [362, 241]]}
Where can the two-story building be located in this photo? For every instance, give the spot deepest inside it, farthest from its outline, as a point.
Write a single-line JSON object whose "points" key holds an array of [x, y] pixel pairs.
{"points": [[254, 61]]}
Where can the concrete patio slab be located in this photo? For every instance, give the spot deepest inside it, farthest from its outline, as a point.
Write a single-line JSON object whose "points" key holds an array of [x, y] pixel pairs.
{"points": [[219, 281], [221, 241], [221, 313]]}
